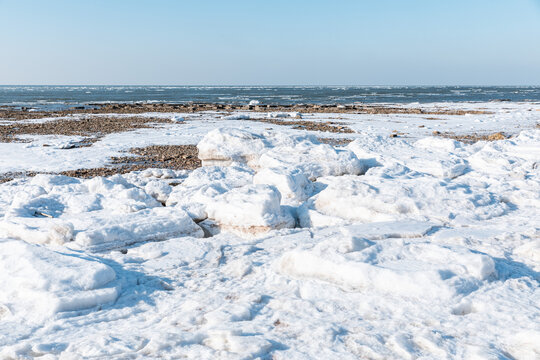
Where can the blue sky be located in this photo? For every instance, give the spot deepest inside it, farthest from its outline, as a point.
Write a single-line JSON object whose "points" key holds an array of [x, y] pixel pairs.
{"points": [[376, 42]]}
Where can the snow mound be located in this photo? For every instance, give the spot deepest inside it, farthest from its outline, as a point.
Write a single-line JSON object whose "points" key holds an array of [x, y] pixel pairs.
{"points": [[235, 342], [448, 168], [38, 282]]}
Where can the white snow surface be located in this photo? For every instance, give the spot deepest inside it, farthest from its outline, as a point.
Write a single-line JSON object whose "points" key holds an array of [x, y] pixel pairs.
{"points": [[280, 246]]}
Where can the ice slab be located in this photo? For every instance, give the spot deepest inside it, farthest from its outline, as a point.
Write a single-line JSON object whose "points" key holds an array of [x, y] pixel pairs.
{"points": [[38, 282], [250, 210]]}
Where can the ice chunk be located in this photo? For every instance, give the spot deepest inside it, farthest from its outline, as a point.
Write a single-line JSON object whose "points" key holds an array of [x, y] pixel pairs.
{"points": [[47, 209], [37, 282], [195, 199], [392, 229], [293, 184], [371, 199], [505, 156], [119, 196], [448, 168], [315, 160], [237, 116], [438, 144], [160, 173], [279, 115], [435, 156], [224, 146], [158, 190], [355, 276], [203, 184], [250, 210], [37, 230], [412, 269], [104, 232], [170, 254], [230, 176], [235, 342]]}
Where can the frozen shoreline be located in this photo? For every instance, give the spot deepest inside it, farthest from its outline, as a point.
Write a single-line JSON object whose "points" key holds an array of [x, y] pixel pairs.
{"points": [[49, 151], [280, 246]]}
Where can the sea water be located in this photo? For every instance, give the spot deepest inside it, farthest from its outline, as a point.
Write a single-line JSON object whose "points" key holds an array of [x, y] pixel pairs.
{"points": [[58, 97]]}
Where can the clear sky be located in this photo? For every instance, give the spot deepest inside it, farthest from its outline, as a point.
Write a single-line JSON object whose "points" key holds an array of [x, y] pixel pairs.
{"points": [[273, 42]]}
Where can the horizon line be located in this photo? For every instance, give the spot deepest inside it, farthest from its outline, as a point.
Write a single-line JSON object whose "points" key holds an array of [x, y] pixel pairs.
{"points": [[281, 85]]}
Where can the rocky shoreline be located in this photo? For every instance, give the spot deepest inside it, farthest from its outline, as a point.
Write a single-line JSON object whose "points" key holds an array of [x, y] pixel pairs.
{"points": [[92, 124], [138, 108]]}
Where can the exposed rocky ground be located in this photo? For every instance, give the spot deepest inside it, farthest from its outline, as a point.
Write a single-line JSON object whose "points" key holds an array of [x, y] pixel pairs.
{"points": [[13, 114], [175, 157], [473, 137], [327, 126], [92, 127]]}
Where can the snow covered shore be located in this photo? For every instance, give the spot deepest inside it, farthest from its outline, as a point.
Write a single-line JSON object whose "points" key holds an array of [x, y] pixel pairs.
{"points": [[280, 247]]}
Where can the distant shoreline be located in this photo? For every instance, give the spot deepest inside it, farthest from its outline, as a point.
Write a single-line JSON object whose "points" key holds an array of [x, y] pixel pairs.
{"points": [[137, 108]]}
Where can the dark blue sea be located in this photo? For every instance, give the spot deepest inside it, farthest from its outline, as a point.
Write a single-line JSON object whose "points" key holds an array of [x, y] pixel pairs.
{"points": [[59, 97]]}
